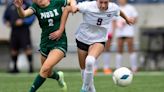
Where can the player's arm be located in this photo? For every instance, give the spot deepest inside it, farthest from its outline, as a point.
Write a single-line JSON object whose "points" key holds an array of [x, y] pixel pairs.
{"points": [[128, 20], [72, 2], [6, 17], [58, 33], [64, 17], [74, 9], [29, 20], [21, 11]]}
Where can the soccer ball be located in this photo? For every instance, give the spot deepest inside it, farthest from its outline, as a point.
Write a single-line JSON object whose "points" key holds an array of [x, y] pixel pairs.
{"points": [[122, 77]]}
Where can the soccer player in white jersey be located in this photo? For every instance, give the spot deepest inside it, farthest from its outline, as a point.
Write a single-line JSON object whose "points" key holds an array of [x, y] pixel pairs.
{"points": [[92, 34], [125, 33]]}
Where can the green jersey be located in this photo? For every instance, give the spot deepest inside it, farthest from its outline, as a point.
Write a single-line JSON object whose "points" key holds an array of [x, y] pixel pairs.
{"points": [[49, 20], [49, 17]]}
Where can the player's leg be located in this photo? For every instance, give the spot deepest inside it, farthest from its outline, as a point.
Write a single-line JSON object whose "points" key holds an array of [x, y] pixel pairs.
{"points": [[39, 80], [14, 57], [106, 58], [51, 61], [25, 43], [29, 56], [133, 55], [30, 59], [120, 44], [82, 54], [14, 50], [106, 61], [46, 69], [94, 51], [59, 76]]}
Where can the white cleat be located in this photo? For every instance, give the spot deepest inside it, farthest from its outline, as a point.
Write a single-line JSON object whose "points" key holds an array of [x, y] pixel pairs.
{"points": [[61, 81]]}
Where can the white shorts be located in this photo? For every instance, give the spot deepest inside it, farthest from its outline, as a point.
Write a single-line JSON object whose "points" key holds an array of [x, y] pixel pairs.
{"points": [[124, 33]]}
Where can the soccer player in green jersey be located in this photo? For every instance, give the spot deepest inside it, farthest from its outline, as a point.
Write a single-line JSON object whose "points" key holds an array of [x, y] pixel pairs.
{"points": [[53, 45]]}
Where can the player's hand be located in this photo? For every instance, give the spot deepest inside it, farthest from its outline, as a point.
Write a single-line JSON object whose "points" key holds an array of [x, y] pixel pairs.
{"points": [[130, 21], [19, 22], [7, 23], [55, 35], [18, 3], [74, 9]]}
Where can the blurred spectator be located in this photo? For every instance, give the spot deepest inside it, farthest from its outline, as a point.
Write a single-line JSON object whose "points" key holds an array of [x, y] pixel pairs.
{"points": [[20, 34], [125, 33], [2, 2]]}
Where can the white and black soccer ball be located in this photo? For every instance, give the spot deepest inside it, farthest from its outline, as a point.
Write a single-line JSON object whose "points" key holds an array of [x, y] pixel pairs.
{"points": [[122, 77]]}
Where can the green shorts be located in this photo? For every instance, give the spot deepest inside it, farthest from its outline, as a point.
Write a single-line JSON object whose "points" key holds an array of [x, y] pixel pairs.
{"points": [[47, 45]]}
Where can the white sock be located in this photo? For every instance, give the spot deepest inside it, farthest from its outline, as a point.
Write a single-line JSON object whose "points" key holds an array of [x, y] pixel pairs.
{"points": [[118, 60], [82, 74], [106, 60], [88, 73], [133, 60], [92, 87]]}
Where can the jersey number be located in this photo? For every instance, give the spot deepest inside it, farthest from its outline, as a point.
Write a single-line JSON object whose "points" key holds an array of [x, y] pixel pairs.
{"points": [[51, 22], [99, 21]]}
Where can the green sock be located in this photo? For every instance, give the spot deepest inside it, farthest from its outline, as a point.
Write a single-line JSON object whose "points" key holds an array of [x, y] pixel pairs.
{"points": [[37, 83], [54, 75]]}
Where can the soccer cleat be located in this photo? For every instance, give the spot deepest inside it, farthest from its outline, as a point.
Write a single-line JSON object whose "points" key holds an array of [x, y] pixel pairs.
{"points": [[92, 89], [61, 81], [107, 71]]}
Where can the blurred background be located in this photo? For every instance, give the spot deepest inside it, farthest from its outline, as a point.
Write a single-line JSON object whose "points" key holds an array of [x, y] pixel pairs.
{"points": [[149, 40]]}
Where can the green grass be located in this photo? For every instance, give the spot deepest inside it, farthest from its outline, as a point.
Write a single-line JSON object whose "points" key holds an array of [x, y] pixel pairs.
{"points": [[143, 82]]}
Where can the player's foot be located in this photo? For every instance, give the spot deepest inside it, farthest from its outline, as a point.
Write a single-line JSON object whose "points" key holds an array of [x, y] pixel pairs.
{"points": [[92, 89], [61, 81], [107, 71]]}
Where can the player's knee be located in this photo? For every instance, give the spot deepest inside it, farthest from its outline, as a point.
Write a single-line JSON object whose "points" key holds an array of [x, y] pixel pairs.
{"points": [[45, 71], [90, 60]]}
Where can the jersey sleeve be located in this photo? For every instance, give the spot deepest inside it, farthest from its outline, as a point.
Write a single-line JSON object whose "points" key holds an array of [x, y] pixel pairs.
{"points": [[117, 9], [33, 7], [82, 6]]}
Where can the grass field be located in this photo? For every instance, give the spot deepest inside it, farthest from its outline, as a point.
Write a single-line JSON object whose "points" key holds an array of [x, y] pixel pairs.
{"points": [[143, 82]]}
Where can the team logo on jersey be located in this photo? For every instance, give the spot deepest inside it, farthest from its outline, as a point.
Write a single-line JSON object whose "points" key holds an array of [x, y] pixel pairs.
{"points": [[49, 14]]}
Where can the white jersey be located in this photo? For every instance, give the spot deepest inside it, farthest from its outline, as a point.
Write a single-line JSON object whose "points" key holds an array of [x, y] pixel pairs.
{"points": [[96, 23], [123, 29]]}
